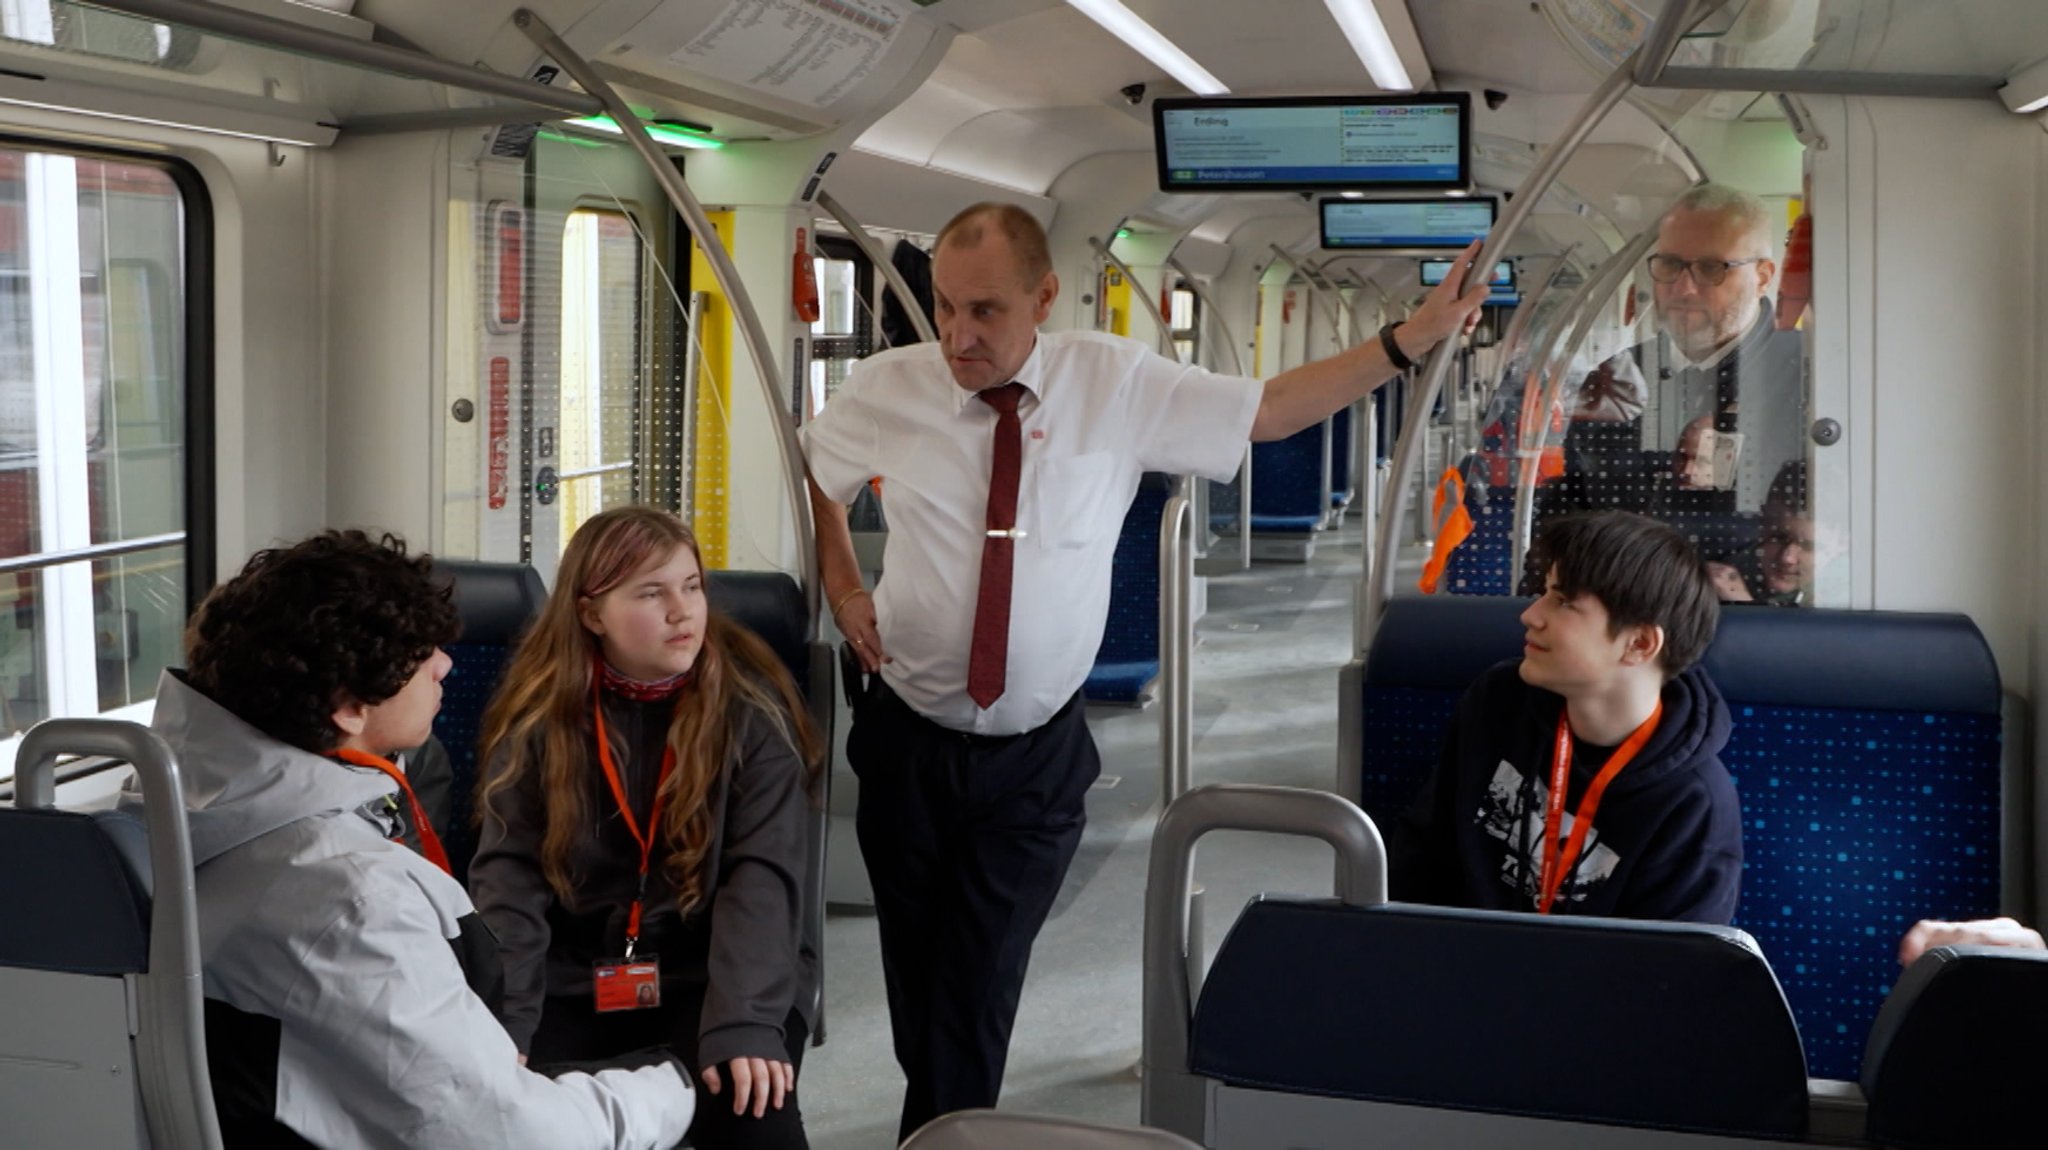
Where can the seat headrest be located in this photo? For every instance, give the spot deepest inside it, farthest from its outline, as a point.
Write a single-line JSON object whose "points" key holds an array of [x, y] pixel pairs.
{"points": [[1955, 1058], [771, 605], [1872, 660], [82, 913], [1669, 1026], [495, 601]]}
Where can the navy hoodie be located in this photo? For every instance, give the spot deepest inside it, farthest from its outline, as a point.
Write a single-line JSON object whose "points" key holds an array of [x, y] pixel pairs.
{"points": [[1666, 842]]}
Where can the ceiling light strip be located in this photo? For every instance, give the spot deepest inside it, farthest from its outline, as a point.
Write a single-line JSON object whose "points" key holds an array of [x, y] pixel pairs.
{"points": [[1126, 25], [1362, 25]]}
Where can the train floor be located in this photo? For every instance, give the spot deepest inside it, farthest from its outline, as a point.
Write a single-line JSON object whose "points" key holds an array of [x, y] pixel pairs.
{"points": [[1265, 665]]}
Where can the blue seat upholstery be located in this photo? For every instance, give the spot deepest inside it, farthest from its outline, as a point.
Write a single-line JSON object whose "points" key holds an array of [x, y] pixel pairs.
{"points": [[1481, 564], [1128, 659], [1288, 493], [1340, 458], [495, 602], [1866, 750], [1956, 1054], [771, 605], [1675, 1027]]}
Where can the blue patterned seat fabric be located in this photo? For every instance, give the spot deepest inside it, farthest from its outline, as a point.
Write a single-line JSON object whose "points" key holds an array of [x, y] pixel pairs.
{"points": [[1866, 749], [1128, 659], [1288, 496]]}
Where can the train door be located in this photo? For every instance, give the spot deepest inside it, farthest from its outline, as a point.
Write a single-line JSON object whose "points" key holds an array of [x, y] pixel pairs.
{"points": [[571, 347]]}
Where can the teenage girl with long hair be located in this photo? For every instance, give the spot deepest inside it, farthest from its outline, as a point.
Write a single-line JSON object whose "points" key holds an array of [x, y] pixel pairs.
{"points": [[645, 800]]}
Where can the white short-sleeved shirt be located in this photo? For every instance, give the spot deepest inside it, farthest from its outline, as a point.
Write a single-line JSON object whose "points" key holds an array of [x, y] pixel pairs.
{"points": [[1102, 410]]}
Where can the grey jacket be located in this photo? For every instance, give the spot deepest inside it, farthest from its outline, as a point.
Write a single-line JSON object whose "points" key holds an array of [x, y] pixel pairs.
{"points": [[337, 996]]}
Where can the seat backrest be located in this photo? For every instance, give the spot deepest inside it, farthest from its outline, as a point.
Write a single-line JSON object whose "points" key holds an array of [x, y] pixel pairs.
{"points": [[996, 1130], [496, 602], [1129, 655], [1956, 1056], [1289, 489], [1666, 1026], [771, 605], [1866, 750]]}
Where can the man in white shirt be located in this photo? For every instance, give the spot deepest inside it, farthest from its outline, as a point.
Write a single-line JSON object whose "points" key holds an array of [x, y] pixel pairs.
{"points": [[1008, 459]]}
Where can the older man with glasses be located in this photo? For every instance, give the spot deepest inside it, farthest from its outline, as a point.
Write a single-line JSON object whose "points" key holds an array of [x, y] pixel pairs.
{"points": [[1699, 419]]}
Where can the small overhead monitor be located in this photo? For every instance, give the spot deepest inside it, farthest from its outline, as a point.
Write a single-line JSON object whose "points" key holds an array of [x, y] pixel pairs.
{"points": [[1434, 271], [1314, 143], [1504, 298], [1405, 224]]}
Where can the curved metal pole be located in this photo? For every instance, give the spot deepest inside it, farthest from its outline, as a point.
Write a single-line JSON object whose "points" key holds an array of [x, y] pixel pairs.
{"points": [[722, 269], [1173, 1098], [1619, 268], [1244, 470], [1211, 312], [1662, 39], [171, 1054], [1159, 319], [1310, 276], [1380, 588], [869, 248], [1511, 340], [1176, 640]]}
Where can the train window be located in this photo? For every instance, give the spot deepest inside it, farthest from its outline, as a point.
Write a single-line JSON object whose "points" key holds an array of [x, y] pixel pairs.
{"points": [[602, 364], [845, 328], [97, 475]]}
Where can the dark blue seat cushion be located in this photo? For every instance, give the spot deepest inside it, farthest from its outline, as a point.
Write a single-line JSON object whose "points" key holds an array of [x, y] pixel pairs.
{"points": [[1287, 479], [69, 903], [1659, 1025], [495, 602], [1956, 1055], [1866, 750]]}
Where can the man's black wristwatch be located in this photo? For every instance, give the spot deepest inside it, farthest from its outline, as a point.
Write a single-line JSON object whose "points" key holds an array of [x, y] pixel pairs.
{"points": [[1400, 360]]}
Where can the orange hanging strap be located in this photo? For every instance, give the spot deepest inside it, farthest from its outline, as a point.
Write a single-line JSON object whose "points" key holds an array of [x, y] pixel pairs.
{"points": [[644, 838], [430, 843], [1451, 530], [1559, 858]]}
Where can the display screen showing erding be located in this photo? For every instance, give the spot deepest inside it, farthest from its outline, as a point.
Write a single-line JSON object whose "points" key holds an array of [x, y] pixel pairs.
{"points": [[1314, 143], [1434, 271], [1397, 224]]}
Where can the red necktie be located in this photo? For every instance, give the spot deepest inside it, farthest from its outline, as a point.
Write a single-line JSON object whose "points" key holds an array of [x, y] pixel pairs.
{"points": [[989, 658]]}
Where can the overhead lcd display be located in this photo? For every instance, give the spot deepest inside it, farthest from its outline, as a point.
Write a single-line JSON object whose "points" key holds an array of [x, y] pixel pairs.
{"points": [[1434, 271], [1313, 143], [1405, 225]]}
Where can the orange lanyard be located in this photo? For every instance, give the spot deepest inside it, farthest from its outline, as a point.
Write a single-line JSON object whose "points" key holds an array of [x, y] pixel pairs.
{"points": [[646, 838], [430, 843], [1556, 863]]}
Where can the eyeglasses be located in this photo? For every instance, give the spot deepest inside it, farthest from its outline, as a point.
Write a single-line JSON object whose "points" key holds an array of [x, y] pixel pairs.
{"points": [[1707, 273]]}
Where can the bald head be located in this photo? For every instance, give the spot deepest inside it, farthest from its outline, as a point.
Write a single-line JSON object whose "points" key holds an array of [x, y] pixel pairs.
{"points": [[1017, 228]]}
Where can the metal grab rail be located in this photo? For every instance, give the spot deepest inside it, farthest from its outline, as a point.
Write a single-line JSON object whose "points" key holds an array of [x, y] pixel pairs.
{"points": [[722, 270], [1176, 643], [97, 551], [1380, 587], [176, 1085], [869, 248], [1160, 322], [1244, 470], [1173, 1098]]}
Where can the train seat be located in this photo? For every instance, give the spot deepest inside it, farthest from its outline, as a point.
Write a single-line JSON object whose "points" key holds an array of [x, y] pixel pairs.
{"points": [[1128, 660], [771, 604], [1867, 749], [1291, 492], [102, 1038], [1340, 460], [997, 1130], [1956, 1054], [1356, 1022], [495, 602]]}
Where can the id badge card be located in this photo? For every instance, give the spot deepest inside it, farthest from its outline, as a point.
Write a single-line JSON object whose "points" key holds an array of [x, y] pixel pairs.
{"points": [[1726, 454], [626, 984]]}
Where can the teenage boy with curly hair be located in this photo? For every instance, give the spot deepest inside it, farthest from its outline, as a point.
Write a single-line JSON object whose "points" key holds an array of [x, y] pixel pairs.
{"points": [[345, 975]]}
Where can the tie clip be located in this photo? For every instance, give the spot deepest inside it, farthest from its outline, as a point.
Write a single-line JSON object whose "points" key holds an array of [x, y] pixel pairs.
{"points": [[1012, 533]]}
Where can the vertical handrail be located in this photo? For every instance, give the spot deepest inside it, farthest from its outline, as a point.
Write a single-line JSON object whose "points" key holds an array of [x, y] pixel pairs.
{"points": [[1176, 633], [1380, 588], [724, 272], [1244, 470], [171, 1063], [869, 248], [693, 366], [1160, 321]]}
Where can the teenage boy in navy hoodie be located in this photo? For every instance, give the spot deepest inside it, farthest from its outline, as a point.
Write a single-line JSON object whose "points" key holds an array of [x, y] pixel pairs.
{"points": [[1607, 697]]}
